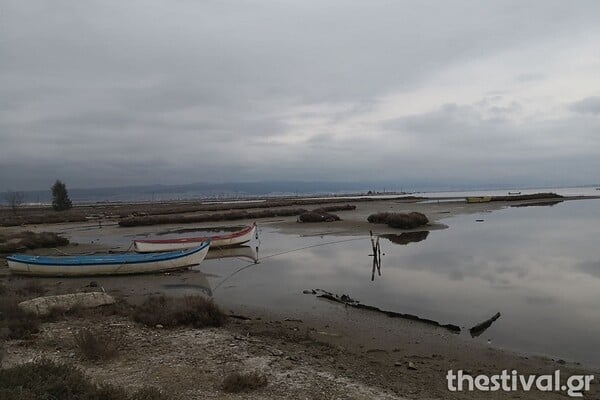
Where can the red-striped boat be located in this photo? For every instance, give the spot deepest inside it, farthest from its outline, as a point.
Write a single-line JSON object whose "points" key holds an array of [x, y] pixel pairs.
{"points": [[216, 241]]}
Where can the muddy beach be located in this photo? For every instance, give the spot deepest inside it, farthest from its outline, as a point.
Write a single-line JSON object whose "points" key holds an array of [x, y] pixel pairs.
{"points": [[307, 346]]}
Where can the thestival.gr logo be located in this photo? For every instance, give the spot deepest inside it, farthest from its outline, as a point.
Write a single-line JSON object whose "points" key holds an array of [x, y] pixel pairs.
{"points": [[512, 381]]}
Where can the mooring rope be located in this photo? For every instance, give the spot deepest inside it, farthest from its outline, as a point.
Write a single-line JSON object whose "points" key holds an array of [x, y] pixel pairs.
{"points": [[285, 252]]}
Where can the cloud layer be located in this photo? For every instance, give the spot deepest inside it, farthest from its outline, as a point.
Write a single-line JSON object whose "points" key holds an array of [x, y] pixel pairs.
{"points": [[112, 93]]}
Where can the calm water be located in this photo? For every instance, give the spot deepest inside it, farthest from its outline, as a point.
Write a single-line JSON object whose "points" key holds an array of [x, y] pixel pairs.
{"points": [[538, 266]]}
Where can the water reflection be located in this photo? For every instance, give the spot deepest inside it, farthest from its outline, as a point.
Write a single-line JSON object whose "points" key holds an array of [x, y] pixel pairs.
{"points": [[247, 253], [376, 254], [407, 237], [537, 265]]}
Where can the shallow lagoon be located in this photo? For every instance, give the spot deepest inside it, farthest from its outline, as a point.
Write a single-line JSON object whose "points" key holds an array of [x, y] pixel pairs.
{"points": [[538, 266]]}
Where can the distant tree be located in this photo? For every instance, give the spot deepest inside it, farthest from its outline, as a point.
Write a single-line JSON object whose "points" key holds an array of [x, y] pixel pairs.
{"points": [[60, 197], [14, 199]]}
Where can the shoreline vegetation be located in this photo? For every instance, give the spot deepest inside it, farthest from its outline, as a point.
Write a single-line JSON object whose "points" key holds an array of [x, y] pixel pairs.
{"points": [[182, 347], [139, 214]]}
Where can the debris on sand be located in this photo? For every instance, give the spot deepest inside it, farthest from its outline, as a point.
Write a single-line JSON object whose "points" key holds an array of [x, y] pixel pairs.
{"points": [[348, 301], [483, 326]]}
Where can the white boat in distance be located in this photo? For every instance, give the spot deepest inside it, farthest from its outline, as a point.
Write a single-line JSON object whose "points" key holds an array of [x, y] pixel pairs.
{"points": [[216, 241]]}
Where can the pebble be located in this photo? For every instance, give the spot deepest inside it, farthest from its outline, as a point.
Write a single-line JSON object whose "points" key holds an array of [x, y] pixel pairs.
{"points": [[159, 326], [411, 366]]}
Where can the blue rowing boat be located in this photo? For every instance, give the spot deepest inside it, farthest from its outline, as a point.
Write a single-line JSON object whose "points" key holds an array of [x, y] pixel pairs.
{"points": [[106, 264]]}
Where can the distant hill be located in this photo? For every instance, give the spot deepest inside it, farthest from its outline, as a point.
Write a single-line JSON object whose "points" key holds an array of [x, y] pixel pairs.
{"points": [[203, 190], [247, 189]]}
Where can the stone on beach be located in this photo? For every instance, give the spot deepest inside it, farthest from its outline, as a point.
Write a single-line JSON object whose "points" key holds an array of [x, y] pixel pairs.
{"points": [[44, 305]]}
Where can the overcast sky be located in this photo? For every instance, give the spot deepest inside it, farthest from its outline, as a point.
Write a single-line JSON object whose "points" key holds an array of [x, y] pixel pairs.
{"points": [[109, 93]]}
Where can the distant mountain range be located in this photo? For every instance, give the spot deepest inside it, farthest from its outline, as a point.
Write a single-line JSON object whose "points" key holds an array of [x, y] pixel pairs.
{"points": [[243, 190], [203, 191]]}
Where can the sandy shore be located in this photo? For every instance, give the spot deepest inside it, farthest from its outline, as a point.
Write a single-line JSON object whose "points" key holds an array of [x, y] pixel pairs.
{"points": [[358, 354]]}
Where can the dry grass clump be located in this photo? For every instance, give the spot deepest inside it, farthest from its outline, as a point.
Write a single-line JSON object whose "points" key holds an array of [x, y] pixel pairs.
{"points": [[378, 218], [30, 240], [50, 380], [148, 393], [237, 382], [95, 345], [534, 196], [47, 217], [315, 216], [14, 322], [195, 311], [407, 221], [192, 219], [346, 207], [399, 220]]}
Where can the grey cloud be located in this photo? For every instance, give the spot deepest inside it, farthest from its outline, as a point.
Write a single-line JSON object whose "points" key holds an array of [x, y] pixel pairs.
{"points": [[98, 92], [529, 77], [591, 268], [589, 105]]}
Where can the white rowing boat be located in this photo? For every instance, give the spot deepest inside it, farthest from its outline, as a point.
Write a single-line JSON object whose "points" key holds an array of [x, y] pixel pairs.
{"points": [[106, 264], [216, 241]]}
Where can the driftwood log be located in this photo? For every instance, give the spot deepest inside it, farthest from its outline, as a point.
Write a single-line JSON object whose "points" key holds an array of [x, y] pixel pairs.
{"points": [[348, 301], [483, 326]]}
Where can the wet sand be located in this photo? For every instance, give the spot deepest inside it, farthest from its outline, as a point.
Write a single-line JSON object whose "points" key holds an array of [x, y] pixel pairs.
{"points": [[318, 354]]}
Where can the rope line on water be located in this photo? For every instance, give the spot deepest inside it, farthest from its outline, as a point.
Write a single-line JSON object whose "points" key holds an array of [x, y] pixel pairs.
{"points": [[285, 252]]}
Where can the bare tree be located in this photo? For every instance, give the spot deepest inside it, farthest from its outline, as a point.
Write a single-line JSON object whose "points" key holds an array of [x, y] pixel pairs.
{"points": [[14, 200]]}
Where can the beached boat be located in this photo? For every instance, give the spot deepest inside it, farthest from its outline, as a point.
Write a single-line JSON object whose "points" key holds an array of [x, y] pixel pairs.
{"points": [[479, 199], [106, 264], [217, 241]]}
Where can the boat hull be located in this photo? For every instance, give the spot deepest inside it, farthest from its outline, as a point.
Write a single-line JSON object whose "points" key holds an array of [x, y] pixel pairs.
{"points": [[105, 265], [216, 242]]}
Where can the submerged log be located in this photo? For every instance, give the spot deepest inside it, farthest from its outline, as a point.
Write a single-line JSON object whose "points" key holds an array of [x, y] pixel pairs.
{"points": [[350, 302], [483, 326]]}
